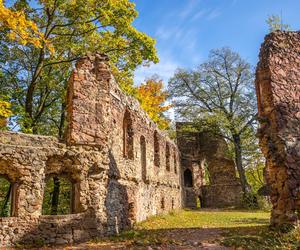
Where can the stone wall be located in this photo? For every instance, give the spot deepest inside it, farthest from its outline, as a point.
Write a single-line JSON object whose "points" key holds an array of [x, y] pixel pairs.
{"points": [[201, 152], [278, 92], [108, 156]]}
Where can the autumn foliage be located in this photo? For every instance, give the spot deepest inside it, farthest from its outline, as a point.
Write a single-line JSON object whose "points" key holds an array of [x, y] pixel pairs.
{"points": [[5, 112], [152, 98], [20, 28], [69, 29]]}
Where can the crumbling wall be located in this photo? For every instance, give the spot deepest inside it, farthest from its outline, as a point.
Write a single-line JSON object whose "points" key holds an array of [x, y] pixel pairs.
{"points": [[113, 190], [27, 160], [113, 108], [201, 152], [278, 92]]}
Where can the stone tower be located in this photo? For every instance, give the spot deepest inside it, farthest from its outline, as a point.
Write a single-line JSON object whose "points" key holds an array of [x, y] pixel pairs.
{"points": [[278, 92]]}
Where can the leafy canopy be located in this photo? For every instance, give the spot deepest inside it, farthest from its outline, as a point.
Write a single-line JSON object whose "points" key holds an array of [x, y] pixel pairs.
{"points": [[35, 78], [219, 96], [20, 28], [219, 93], [5, 113]]}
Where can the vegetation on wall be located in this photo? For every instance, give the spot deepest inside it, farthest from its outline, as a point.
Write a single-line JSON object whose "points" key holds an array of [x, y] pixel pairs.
{"points": [[275, 22]]}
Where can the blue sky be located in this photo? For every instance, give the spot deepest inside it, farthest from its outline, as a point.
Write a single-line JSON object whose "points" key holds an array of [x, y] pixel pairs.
{"points": [[186, 30]]}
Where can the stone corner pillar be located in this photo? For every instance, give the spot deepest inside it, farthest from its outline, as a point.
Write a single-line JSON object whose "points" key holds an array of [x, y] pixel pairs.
{"points": [[88, 102], [278, 94]]}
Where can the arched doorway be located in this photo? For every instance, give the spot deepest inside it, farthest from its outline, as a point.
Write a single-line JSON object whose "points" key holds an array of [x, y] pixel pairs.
{"points": [[188, 178]]}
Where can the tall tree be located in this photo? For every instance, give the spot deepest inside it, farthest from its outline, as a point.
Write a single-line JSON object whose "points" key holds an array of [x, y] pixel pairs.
{"points": [[219, 95], [35, 78], [152, 98]]}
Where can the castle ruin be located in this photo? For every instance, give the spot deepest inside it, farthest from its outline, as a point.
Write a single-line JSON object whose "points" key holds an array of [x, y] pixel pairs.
{"points": [[278, 92], [209, 174], [122, 169]]}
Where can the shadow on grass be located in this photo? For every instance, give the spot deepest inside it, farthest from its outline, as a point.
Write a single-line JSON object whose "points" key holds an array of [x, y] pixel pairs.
{"points": [[255, 221], [249, 238], [243, 237], [183, 237], [261, 237]]}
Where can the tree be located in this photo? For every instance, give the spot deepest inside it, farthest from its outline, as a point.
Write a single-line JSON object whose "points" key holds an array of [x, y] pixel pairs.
{"points": [[35, 78], [5, 113], [275, 23], [152, 98], [20, 29], [219, 96]]}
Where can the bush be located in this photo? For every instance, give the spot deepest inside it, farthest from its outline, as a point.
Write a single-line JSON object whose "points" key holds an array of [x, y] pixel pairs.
{"points": [[264, 203], [250, 201]]}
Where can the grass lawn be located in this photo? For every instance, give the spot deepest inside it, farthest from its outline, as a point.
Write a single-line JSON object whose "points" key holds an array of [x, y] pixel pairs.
{"points": [[206, 219], [237, 229]]}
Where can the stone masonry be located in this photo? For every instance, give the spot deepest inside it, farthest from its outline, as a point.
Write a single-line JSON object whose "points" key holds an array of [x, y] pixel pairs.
{"points": [[200, 152], [108, 156], [278, 92]]}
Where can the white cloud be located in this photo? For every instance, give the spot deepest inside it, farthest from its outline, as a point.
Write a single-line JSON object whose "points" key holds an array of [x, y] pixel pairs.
{"points": [[213, 14], [179, 39], [164, 33], [189, 9], [198, 15], [164, 69]]}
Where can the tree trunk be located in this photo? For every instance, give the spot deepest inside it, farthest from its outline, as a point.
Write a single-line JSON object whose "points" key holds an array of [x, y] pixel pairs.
{"points": [[55, 196], [239, 163], [61, 130]]}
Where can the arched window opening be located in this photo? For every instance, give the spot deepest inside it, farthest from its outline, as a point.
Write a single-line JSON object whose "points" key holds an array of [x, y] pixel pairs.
{"points": [[143, 158], [167, 156], [175, 164], [206, 176], [188, 178], [58, 196], [7, 196], [127, 136], [156, 150]]}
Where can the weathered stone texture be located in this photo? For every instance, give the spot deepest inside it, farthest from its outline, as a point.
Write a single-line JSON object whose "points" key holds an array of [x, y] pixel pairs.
{"points": [[112, 191], [278, 92], [200, 150]]}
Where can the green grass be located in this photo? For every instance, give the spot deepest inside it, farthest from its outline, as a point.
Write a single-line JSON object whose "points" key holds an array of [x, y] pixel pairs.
{"points": [[240, 229], [262, 238], [206, 219]]}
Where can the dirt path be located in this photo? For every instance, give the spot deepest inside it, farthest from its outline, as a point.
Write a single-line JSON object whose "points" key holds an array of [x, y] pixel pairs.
{"points": [[181, 239]]}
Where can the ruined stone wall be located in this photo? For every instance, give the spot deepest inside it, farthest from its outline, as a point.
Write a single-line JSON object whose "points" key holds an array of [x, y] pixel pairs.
{"points": [[200, 151], [116, 183], [26, 160], [278, 92]]}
